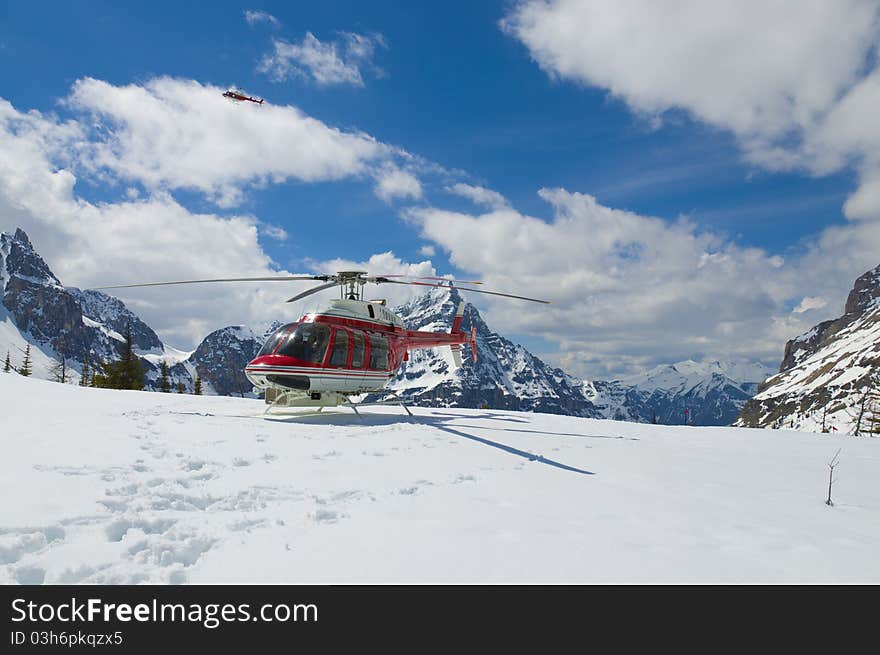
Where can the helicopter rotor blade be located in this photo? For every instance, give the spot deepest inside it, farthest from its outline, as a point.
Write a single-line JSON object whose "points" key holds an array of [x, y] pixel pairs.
{"points": [[287, 278], [441, 279], [446, 286], [316, 289]]}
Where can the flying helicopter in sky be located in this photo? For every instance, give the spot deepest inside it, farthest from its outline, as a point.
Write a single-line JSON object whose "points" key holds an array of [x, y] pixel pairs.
{"points": [[238, 96], [348, 347]]}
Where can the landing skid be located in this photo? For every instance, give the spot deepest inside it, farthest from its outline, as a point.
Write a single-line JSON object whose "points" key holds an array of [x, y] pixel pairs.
{"points": [[297, 400]]}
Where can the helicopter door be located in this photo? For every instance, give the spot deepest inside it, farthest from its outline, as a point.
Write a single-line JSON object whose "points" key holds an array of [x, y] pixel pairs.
{"points": [[358, 357]]}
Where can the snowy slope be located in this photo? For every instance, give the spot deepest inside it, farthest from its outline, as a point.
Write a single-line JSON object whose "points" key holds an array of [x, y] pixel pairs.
{"points": [[827, 372], [122, 487]]}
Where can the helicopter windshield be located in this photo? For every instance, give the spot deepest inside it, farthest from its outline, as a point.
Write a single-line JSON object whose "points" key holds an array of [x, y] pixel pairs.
{"points": [[274, 339], [307, 342]]}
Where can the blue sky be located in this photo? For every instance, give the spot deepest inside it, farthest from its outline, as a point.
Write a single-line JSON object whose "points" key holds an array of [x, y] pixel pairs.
{"points": [[488, 106]]}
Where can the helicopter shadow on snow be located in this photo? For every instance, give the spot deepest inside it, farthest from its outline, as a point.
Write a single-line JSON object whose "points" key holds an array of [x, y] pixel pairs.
{"points": [[441, 422]]}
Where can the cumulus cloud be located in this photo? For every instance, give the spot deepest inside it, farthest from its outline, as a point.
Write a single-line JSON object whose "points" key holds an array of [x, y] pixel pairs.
{"points": [[385, 263], [479, 195], [808, 303], [796, 82], [258, 16], [393, 182], [179, 134], [150, 236], [629, 291], [343, 61]]}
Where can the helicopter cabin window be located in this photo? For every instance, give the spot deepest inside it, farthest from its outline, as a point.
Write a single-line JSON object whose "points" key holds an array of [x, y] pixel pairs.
{"points": [[307, 342], [357, 349], [378, 353], [339, 356], [274, 339]]}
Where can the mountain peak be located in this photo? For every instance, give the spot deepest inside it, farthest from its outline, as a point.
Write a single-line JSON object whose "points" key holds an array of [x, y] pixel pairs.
{"points": [[22, 260], [21, 235], [865, 293]]}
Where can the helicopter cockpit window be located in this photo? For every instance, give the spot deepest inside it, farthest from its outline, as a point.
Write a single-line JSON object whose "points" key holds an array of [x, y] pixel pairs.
{"points": [[357, 350], [339, 356], [307, 342], [378, 353], [274, 339]]}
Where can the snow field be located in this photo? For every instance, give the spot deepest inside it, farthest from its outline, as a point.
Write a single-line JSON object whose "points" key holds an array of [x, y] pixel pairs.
{"points": [[103, 486]]}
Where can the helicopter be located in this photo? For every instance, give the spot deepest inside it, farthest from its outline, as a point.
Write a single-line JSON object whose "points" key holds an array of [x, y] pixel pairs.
{"points": [[348, 347], [237, 96]]}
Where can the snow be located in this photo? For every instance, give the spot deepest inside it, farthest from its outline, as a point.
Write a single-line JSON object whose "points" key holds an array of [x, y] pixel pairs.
{"points": [[125, 487], [15, 343], [113, 334], [170, 356]]}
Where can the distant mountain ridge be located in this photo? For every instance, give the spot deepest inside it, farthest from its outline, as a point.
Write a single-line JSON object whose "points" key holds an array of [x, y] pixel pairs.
{"points": [[508, 376], [56, 320]]}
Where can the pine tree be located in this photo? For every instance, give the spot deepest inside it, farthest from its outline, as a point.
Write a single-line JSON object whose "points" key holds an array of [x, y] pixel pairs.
{"points": [[59, 370], [127, 373], [197, 390], [180, 388], [8, 365], [164, 382], [132, 371], [25, 369], [84, 377]]}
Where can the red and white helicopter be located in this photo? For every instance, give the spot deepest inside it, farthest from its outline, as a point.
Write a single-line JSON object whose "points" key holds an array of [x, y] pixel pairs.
{"points": [[238, 96], [348, 347]]}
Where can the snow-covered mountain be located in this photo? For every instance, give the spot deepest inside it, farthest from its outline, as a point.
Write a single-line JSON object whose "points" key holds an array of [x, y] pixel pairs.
{"points": [[59, 321], [505, 376], [508, 376], [826, 372], [698, 393]]}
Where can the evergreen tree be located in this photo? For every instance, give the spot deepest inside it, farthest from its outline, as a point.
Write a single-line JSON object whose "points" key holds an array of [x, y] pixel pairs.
{"points": [[59, 370], [98, 379], [127, 373], [180, 388], [84, 378], [8, 365], [164, 382], [25, 369], [197, 390]]}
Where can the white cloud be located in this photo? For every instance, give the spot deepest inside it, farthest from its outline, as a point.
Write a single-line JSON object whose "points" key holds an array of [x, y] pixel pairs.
{"points": [[275, 232], [479, 195], [343, 61], [795, 81], [257, 16], [808, 303], [179, 134], [136, 238], [386, 263], [630, 291], [392, 182], [428, 251]]}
